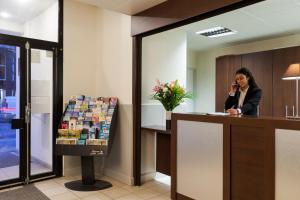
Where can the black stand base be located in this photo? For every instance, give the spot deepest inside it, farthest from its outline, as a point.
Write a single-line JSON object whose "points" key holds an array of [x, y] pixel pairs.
{"points": [[88, 182], [78, 186]]}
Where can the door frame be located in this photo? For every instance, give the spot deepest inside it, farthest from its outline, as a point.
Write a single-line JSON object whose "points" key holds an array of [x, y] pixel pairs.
{"points": [[48, 46], [57, 48]]}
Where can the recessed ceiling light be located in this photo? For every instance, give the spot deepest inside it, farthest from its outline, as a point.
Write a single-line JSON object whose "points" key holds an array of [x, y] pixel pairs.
{"points": [[5, 15], [214, 32]]}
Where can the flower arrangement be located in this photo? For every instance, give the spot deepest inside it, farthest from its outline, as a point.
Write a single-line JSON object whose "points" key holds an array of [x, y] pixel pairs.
{"points": [[170, 94]]}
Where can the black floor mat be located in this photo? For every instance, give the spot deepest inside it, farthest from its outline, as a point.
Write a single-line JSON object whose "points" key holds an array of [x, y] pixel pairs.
{"points": [[28, 192]]}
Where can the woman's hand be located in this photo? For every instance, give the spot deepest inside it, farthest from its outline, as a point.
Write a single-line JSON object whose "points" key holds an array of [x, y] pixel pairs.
{"points": [[233, 88], [232, 111]]}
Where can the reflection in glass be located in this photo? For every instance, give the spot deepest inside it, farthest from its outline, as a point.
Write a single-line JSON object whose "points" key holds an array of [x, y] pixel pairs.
{"points": [[9, 109]]}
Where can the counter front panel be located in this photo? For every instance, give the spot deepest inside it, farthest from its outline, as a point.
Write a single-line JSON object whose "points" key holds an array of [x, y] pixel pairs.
{"points": [[234, 158]]}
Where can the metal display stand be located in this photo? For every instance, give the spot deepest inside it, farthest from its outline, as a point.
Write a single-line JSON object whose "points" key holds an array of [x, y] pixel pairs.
{"points": [[87, 154]]}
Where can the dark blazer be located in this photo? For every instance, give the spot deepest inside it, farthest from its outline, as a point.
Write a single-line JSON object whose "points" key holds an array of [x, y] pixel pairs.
{"points": [[250, 103]]}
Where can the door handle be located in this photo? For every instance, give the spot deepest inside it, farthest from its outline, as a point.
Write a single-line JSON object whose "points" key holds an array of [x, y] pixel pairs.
{"points": [[17, 123]]}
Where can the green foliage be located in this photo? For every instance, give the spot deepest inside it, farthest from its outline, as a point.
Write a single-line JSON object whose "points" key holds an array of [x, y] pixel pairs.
{"points": [[170, 94]]}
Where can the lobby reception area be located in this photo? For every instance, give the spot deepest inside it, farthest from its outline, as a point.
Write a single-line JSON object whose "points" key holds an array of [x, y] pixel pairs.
{"points": [[149, 100]]}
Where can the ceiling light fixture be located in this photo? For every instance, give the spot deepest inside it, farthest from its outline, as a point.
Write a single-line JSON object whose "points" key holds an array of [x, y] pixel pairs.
{"points": [[218, 31], [4, 15]]}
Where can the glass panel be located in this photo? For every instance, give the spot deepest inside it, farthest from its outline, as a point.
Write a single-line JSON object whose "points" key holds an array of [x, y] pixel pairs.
{"points": [[33, 19], [41, 111], [9, 109]]}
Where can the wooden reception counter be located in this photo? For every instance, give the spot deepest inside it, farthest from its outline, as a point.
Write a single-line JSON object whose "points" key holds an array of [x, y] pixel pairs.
{"points": [[234, 158]]}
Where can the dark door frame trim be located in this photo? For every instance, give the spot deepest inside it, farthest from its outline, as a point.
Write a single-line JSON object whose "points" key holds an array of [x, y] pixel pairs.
{"points": [[137, 76]]}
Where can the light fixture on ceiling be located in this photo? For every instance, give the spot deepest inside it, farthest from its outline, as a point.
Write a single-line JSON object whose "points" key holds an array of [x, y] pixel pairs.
{"points": [[214, 32], [5, 15]]}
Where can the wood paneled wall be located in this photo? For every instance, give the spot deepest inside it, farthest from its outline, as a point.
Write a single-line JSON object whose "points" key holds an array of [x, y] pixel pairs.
{"points": [[267, 68], [226, 66]]}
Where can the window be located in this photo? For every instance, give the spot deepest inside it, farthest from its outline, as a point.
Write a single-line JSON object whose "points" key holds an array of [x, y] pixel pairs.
{"points": [[2, 66]]}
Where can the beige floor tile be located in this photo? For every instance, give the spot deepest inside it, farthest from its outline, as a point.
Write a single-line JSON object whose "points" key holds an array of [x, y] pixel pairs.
{"points": [[146, 193], [130, 197], [45, 185], [115, 192], [97, 196], [82, 194], [65, 196], [54, 191], [161, 197], [160, 188], [132, 188], [63, 180], [150, 184], [112, 181]]}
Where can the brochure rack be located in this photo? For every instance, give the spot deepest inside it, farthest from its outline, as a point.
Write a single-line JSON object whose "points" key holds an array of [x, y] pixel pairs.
{"points": [[87, 129]]}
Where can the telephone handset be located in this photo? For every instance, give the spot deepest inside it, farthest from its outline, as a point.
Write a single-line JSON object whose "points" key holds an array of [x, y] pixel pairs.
{"points": [[236, 85]]}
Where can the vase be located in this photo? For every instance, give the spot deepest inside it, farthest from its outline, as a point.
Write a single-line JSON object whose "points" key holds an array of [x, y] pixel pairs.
{"points": [[168, 119]]}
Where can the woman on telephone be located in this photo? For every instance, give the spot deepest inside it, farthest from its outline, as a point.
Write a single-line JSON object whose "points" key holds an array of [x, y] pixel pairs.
{"points": [[244, 94]]}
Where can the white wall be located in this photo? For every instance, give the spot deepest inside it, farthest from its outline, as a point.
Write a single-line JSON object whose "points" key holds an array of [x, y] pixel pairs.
{"points": [[114, 78], [44, 26], [80, 50], [164, 57], [206, 66], [97, 62], [11, 28], [191, 78]]}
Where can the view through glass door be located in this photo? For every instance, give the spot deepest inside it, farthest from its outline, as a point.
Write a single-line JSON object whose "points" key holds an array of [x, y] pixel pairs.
{"points": [[10, 146]]}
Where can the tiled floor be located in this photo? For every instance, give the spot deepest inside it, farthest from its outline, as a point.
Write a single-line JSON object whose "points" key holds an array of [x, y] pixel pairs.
{"points": [[152, 190]]}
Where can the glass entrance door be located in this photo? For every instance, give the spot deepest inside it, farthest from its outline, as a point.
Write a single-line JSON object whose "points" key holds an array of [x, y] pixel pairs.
{"points": [[26, 112], [10, 145], [41, 122]]}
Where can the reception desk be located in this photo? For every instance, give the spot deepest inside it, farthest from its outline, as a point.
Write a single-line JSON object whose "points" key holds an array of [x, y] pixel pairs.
{"points": [[234, 158]]}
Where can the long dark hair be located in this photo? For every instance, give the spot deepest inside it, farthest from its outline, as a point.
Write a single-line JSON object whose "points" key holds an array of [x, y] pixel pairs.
{"points": [[248, 74]]}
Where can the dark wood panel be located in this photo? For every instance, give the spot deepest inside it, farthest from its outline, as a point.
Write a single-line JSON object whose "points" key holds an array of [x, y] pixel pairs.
{"points": [[225, 69], [284, 90], [173, 11], [247, 163], [163, 153], [261, 66]]}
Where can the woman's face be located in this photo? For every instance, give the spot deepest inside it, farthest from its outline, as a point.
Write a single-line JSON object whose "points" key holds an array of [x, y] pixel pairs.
{"points": [[242, 80]]}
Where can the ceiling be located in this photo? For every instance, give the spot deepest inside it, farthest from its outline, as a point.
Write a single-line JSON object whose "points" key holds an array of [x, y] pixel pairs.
{"points": [[129, 7], [271, 18], [21, 11]]}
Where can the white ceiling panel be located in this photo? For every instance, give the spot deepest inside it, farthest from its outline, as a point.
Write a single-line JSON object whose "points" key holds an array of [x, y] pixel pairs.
{"points": [[267, 19], [21, 11]]}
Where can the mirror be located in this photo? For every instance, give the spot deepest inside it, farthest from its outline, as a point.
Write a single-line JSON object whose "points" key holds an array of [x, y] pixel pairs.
{"points": [[264, 37]]}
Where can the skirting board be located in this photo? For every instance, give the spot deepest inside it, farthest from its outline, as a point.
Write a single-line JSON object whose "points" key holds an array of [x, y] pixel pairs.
{"points": [[148, 177], [118, 176]]}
